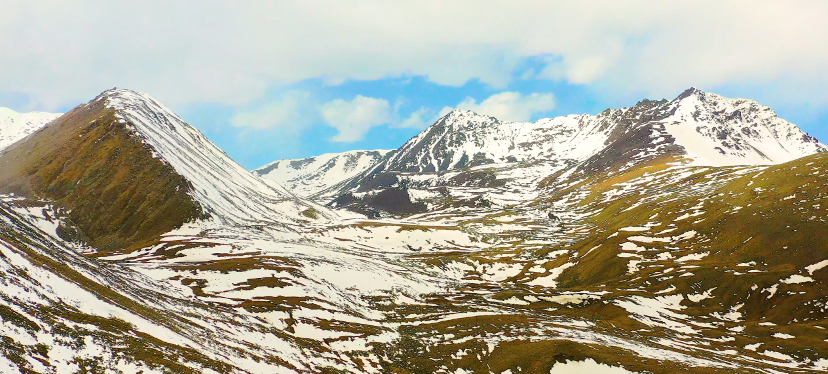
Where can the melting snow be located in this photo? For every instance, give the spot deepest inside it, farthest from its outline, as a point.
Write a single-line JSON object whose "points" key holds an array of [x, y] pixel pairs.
{"points": [[587, 366]]}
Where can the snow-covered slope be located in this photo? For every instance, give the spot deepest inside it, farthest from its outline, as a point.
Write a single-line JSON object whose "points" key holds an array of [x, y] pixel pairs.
{"points": [[463, 138], [719, 131], [464, 149], [223, 188], [562, 240], [708, 129], [309, 176], [15, 126], [64, 313]]}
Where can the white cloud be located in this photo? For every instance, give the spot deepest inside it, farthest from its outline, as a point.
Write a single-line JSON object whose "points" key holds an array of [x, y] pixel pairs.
{"points": [[509, 106], [291, 113], [354, 118], [419, 119], [505, 106], [59, 52]]}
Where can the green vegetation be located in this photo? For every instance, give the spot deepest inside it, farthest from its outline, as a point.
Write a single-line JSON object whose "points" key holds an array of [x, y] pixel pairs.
{"points": [[114, 194], [718, 242], [311, 213]]}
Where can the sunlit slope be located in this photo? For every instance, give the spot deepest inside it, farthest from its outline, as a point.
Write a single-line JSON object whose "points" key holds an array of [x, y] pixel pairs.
{"points": [[743, 228], [736, 252], [660, 268]]}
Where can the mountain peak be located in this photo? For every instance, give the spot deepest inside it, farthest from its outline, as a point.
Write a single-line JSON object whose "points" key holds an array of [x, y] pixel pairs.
{"points": [[123, 93], [124, 99], [464, 114], [465, 120], [719, 131], [223, 187], [308, 177], [692, 91], [458, 111], [110, 141]]}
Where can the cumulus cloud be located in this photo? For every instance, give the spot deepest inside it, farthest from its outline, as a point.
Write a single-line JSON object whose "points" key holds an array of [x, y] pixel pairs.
{"points": [[291, 113], [505, 106], [352, 119], [419, 119], [509, 106], [58, 53]]}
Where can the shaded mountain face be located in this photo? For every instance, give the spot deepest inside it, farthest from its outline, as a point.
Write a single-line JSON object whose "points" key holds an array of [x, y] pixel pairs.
{"points": [[318, 175], [15, 126]]}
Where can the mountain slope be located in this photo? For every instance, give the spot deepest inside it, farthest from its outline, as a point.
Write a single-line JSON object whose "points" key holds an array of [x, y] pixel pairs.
{"points": [[64, 313], [696, 128], [225, 190], [747, 133], [627, 257], [15, 126], [311, 176], [465, 139], [104, 179], [125, 169], [718, 131]]}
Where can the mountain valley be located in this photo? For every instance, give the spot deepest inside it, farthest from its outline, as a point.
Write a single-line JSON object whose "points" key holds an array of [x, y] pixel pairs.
{"points": [[675, 235]]}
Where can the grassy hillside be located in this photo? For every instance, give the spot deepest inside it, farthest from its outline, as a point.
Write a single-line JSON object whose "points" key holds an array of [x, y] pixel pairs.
{"points": [[112, 190]]}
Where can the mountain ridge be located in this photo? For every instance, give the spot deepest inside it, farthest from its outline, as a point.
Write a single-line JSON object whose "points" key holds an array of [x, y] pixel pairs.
{"points": [[138, 156], [635, 258], [695, 128], [223, 187], [706, 129], [15, 126], [311, 176]]}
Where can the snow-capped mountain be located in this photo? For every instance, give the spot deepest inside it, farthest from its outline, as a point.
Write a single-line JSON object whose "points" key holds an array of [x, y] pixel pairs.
{"points": [[127, 169], [463, 139], [442, 166], [706, 129], [222, 187], [718, 131], [311, 176], [702, 128], [600, 243], [711, 129], [15, 126]]}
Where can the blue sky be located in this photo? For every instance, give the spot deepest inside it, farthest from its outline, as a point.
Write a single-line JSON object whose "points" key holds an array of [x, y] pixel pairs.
{"points": [[254, 147], [285, 79]]}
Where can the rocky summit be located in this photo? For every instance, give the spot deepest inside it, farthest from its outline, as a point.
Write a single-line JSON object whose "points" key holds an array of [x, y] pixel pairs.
{"points": [[683, 235]]}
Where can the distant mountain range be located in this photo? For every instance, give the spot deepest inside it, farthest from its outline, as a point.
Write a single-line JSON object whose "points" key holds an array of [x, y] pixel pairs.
{"points": [[312, 176], [698, 128], [672, 236], [705, 128], [15, 126]]}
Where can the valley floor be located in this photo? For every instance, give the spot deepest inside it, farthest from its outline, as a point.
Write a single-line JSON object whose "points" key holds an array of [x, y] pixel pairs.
{"points": [[658, 270]]}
